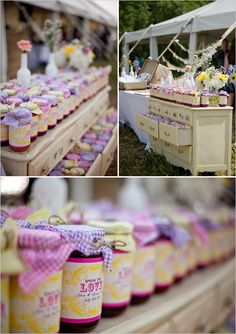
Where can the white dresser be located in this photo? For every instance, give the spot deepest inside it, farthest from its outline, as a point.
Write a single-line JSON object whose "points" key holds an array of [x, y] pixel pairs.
{"points": [[203, 145]]}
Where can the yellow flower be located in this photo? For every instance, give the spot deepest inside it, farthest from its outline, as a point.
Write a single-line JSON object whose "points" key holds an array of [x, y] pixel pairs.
{"points": [[202, 76], [223, 77], [69, 50]]}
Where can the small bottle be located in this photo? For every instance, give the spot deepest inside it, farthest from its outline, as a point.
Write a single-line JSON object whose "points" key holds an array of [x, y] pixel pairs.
{"points": [[118, 282], [180, 263], [19, 122], [33, 107], [43, 117], [223, 96]]}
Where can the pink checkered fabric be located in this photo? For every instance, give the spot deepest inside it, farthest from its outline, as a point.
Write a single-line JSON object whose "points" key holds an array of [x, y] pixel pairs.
{"points": [[44, 253], [21, 212]]}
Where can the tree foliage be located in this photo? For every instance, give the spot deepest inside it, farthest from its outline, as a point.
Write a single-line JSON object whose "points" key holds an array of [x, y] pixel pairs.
{"points": [[136, 15]]}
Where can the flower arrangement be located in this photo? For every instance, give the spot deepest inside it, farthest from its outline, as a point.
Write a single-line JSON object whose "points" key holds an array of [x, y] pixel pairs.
{"points": [[24, 45], [211, 79], [74, 55], [52, 33]]}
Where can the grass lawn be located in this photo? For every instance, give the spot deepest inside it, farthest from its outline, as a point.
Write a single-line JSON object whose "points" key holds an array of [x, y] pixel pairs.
{"points": [[134, 160]]}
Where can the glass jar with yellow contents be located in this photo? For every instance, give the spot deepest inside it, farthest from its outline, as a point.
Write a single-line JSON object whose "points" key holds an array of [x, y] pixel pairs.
{"points": [[82, 286], [35, 110], [35, 295], [19, 122], [10, 265], [145, 234], [118, 282], [53, 111], [4, 109]]}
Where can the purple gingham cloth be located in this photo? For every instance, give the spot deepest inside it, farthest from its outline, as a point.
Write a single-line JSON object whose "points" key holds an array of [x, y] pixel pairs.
{"points": [[18, 117], [82, 236], [178, 235], [44, 253]]}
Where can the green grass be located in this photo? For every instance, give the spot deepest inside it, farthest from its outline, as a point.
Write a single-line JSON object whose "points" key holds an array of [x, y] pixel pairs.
{"points": [[134, 160]]}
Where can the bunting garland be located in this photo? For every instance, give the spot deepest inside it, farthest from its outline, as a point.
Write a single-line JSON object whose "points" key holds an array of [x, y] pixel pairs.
{"points": [[175, 68]]}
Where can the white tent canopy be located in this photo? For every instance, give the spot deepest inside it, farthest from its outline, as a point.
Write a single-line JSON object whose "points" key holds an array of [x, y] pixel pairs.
{"points": [[216, 16], [88, 9]]}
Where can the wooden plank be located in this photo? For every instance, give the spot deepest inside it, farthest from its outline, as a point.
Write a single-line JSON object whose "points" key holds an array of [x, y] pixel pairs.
{"points": [[160, 308]]}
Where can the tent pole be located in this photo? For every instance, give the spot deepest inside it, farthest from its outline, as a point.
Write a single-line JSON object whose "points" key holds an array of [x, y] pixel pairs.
{"points": [[126, 49], [153, 47], [192, 44]]}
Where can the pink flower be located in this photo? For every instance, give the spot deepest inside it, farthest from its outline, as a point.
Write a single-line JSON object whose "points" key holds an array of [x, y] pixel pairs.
{"points": [[24, 46]]}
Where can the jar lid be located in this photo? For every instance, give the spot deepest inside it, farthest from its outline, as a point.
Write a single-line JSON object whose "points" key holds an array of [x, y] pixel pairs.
{"points": [[44, 253]]}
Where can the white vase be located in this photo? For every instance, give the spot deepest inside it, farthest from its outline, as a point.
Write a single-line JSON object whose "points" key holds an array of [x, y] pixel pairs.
{"points": [[24, 74], [51, 68]]}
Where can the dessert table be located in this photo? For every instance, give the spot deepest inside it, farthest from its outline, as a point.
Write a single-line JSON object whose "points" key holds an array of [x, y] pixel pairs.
{"points": [[47, 151], [203, 144], [207, 303]]}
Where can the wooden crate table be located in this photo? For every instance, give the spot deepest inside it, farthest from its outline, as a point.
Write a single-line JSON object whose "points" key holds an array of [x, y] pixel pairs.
{"points": [[198, 304], [203, 145], [47, 151]]}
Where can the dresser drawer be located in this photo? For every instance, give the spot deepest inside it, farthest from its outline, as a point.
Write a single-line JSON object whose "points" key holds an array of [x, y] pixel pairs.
{"points": [[108, 154], [147, 125], [183, 153], [95, 169], [174, 135], [53, 154], [196, 317]]}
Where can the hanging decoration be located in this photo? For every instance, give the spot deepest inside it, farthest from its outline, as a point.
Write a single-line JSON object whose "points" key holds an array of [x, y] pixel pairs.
{"points": [[175, 68], [185, 61]]}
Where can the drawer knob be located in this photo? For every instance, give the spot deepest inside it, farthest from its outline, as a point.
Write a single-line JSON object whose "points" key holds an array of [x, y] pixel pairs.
{"points": [[72, 140], [45, 171], [152, 128], [167, 144], [167, 134], [180, 150]]}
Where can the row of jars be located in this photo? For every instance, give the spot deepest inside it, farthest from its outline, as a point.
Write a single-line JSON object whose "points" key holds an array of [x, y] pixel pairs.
{"points": [[67, 276], [25, 116]]}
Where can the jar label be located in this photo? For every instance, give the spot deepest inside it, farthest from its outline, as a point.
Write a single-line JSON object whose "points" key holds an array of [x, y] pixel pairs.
{"points": [[118, 282], [181, 261], [42, 124], [38, 311], [34, 126], [67, 106], [4, 132], [19, 137], [143, 271], [5, 304], [82, 290], [164, 263], [52, 116]]}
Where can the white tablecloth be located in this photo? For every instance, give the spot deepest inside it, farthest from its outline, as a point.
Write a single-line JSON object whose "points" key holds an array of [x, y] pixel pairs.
{"points": [[132, 104]]}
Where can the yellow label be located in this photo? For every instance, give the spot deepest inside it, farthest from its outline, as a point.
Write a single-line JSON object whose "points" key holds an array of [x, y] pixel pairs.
{"points": [[38, 311], [204, 254], [42, 124], [4, 132], [164, 269], [144, 270], [52, 116], [181, 261], [67, 107], [19, 137], [118, 282], [82, 289], [5, 304], [60, 110], [34, 126]]}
